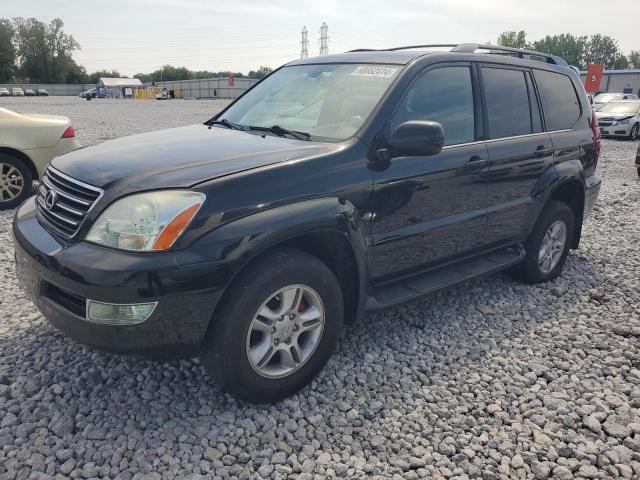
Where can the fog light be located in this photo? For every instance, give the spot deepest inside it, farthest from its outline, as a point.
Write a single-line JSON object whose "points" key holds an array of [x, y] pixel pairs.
{"points": [[119, 314]]}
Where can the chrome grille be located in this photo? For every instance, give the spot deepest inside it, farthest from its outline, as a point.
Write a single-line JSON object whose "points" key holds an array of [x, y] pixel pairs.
{"points": [[63, 202]]}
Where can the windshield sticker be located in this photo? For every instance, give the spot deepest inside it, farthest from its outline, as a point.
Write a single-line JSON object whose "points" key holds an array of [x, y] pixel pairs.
{"points": [[374, 71]]}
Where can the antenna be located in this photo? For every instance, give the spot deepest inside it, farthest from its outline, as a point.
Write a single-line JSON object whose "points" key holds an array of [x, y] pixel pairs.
{"points": [[324, 39], [304, 52]]}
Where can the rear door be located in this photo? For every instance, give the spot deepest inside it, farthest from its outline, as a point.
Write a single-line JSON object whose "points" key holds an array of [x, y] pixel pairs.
{"points": [[519, 151], [428, 209]]}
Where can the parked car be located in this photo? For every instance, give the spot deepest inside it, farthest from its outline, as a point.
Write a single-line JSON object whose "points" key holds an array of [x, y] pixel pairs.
{"points": [[17, 92], [94, 93], [638, 160], [41, 92], [29, 92], [620, 119], [28, 142], [338, 185], [4, 92], [603, 98]]}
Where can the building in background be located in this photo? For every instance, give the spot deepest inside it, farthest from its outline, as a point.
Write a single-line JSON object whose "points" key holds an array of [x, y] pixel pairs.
{"points": [[119, 87], [619, 81]]}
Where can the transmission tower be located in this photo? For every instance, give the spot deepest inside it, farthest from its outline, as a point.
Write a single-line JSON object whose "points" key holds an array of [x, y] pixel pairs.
{"points": [[324, 39], [304, 53]]}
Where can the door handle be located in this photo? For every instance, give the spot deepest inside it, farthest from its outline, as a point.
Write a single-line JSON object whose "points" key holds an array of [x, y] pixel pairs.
{"points": [[542, 151], [476, 163]]}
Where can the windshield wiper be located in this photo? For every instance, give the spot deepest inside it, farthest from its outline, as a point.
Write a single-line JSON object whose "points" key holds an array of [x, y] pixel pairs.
{"points": [[226, 123], [281, 132]]}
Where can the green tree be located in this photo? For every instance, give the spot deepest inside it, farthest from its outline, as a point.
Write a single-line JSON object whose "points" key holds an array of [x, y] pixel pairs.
{"points": [[565, 45], [513, 39], [7, 51], [44, 50], [634, 59], [604, 49], [260, 73]]}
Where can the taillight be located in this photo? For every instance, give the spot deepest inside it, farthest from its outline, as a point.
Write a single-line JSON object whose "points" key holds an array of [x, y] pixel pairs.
{"points": [[597, 137], [69, 132]]}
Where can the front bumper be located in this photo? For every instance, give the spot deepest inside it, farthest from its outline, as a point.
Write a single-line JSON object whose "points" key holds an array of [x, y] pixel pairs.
{"points": [[623, 130], [59, 277]]}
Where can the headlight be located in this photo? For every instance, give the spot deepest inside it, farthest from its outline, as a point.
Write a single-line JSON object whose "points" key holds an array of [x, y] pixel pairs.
{"points": [[624, 121], [146, 221]]}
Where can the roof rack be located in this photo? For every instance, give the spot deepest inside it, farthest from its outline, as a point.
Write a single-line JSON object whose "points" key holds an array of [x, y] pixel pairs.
{"points": [[492, 49]]}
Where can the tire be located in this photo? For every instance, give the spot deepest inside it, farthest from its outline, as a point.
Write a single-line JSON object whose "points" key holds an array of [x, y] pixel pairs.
{"points": [[531, 270], [635, 131], [16, 181], [229, 352], [638, 170]]}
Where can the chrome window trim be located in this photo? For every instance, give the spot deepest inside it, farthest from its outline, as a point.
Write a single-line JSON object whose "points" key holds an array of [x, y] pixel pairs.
{"points": [[446, 147]]}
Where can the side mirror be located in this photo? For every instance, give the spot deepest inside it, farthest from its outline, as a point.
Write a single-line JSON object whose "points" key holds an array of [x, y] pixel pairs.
{"points": [[416, 138]]}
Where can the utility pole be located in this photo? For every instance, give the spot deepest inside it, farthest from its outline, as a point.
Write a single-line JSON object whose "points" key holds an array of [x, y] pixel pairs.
{"points": [[324, 39], [304, 52]]}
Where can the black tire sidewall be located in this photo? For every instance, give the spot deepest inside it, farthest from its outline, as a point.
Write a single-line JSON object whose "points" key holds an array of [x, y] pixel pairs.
{"points": [[27, 177], [552, 212], [225, 355]]}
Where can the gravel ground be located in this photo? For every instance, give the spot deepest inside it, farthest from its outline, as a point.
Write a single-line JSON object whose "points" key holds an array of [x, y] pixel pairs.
{"points": [[493, 379]]}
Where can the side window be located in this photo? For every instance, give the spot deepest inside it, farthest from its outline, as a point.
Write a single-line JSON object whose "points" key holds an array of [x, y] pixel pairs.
{"points": [[559, 100], [508, 104], [443, 95]]}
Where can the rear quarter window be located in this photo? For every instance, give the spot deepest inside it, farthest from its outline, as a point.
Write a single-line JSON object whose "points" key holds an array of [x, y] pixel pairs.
{"points": [[560, 101]]}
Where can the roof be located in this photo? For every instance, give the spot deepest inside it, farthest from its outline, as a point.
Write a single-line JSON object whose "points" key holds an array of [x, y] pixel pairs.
{"points": [[404, 55], [120, 82]]}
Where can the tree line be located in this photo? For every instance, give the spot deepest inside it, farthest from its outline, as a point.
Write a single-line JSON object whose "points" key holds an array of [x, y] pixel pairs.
{"points": [[32, 51], [579, 51]]}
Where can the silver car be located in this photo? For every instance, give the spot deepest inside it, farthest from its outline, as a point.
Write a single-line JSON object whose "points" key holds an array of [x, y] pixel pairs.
{"points": [[17, 92], [620, 119], [4, 92]]}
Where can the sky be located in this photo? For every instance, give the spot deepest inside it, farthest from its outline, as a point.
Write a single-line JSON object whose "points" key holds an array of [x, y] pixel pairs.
{"points": [[134, 36]]}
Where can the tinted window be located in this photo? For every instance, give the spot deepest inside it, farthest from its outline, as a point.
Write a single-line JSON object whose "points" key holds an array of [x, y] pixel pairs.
{"points": [[559, 100], [443, 95], [508, 109], [536, 117]]}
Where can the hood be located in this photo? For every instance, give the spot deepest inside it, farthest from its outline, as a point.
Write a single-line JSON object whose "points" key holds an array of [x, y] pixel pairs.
{"points": [[179, 157], [614, 116]]}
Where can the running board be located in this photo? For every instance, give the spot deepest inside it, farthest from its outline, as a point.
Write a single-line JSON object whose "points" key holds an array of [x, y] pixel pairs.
{"points": [[417, 286]]}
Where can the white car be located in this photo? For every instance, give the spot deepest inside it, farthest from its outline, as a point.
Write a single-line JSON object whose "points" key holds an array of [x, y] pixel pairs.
{"points": [[17, 92], [28, 142], [620, 119], [4, 92]]}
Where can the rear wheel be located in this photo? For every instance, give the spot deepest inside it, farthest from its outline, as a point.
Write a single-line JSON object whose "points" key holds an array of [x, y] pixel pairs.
{"points": [[635, 132], [548, 245], [277, 327], [16, 182]]}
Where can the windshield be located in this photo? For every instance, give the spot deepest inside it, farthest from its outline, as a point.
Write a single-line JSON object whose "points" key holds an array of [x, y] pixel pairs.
{"points": [[621, 107], [329, 101]]}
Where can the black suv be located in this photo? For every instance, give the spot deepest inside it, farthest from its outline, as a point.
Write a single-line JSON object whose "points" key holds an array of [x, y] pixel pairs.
{"points": [[336, 186]]}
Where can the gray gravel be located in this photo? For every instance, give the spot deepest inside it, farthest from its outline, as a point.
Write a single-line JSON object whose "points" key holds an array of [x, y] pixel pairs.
{"points": [[493, 379]]}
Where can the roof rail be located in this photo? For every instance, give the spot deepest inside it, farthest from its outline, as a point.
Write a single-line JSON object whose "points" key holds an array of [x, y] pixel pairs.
{"points": [[472, 47]]}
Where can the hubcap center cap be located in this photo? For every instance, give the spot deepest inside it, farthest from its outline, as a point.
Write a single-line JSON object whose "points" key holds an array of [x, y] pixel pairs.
{"points": [[285, 329]]}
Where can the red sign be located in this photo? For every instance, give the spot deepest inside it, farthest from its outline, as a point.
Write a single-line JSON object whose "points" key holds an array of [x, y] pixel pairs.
{"points": [[232, 81], [594, 78]]}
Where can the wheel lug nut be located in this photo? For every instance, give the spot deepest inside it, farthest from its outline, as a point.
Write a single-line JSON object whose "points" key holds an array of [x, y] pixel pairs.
{"points": [[288, 340], [292, 316], [276, 342], [273, 329], [296, 328]]}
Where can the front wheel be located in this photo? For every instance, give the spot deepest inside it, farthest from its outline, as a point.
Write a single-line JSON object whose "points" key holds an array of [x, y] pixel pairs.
{"points": [[16, 182], [635, 132], [548, 245], [276, 328]]}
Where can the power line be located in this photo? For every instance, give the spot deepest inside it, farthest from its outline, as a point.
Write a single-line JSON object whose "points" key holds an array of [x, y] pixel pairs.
{"points": [[324, 39], [304, 52]]}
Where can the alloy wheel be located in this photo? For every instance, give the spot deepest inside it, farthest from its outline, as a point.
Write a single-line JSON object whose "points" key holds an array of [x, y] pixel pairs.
{"points": [[11, 182], [634, 132], [285, 331], [552, 246]]}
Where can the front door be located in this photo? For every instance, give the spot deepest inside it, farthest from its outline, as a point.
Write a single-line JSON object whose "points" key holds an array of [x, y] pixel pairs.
{"points": [[430, 209]]}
